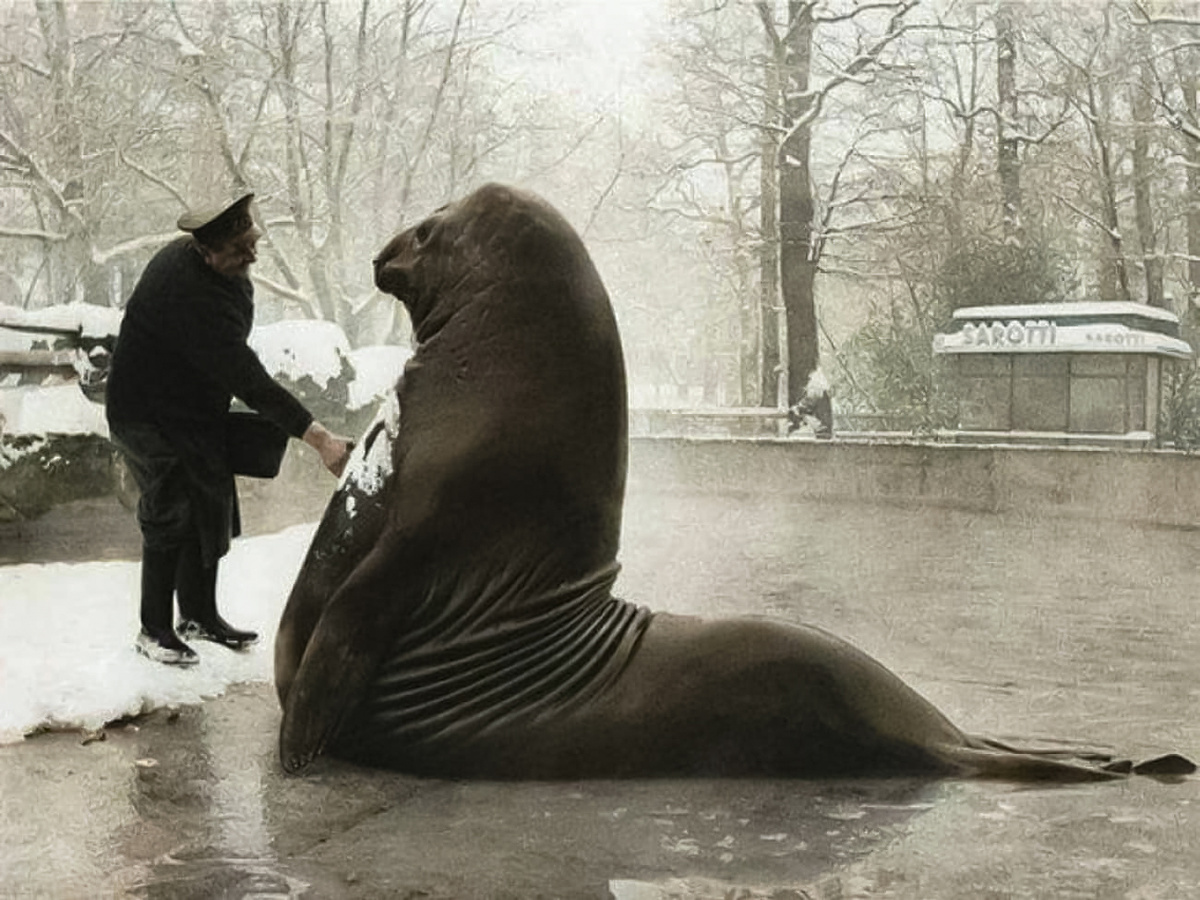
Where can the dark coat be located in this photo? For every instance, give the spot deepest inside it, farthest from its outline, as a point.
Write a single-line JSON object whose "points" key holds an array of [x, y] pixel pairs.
{"points": [[181, 356]]}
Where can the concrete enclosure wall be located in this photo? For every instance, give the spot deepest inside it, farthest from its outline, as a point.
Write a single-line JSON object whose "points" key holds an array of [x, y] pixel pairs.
{"points": [[1153, 487]]}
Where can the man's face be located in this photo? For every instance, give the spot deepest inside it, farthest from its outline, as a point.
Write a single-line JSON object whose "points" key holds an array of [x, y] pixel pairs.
{"points": [[234, 257]]}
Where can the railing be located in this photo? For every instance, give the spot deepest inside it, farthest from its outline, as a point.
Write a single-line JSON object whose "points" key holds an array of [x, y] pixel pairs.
{"points": [[891, 422], [707, 422], [757, 422]]}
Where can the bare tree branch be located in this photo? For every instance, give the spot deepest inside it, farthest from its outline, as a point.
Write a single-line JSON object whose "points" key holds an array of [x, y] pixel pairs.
{"points": [[101, 257], [1150, 19], [287, 292], [33, 234], [151, 177], [618, 171], [48, 185], [1088, 217]]}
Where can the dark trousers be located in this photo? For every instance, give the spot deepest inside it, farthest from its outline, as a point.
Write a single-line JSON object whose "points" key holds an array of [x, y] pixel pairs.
{"points": [[186, 523], [177, 571]]}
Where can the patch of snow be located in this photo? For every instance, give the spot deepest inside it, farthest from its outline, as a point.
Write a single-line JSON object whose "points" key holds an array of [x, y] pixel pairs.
{"points": [[376, 370], [67, 632], [87, 318], [1091, 308], [54, 409], [294, 348], [10, 454], [370, 465], [15, 341]]}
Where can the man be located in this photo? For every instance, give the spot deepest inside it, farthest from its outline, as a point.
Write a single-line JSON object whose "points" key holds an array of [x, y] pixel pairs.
{"points": [[181, 356]]}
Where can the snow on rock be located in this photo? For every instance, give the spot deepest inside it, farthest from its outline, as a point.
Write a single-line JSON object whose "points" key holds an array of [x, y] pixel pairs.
{"points": [[295, 348], [67, 632], [54, 409], [15, 341], [376, 370], [87, 318]]}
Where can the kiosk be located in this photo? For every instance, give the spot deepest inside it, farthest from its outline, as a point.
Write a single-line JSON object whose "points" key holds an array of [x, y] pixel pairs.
{"points": [[1088, 373]]}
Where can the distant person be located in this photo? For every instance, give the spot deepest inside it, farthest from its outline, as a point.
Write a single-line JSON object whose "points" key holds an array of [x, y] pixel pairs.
{"points": [[181, 356], [815, 404]]}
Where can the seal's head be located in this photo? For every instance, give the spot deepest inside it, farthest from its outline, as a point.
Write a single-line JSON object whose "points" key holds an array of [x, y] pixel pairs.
{"points": [[495, 236], [517, 356]]}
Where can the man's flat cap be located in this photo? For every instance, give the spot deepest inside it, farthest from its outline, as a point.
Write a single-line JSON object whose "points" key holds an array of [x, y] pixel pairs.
{"points": [[214, 223]]}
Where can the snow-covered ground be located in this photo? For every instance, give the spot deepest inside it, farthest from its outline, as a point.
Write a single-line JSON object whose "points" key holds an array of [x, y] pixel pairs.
{"points": [[67, 630]]}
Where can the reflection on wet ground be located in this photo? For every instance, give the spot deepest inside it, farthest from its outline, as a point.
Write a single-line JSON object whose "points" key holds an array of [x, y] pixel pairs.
{"points": [[193, 805], [1067, 628]]}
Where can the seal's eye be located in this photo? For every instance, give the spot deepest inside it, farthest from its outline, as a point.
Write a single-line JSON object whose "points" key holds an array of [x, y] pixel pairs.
{"points": [[423, 231]]}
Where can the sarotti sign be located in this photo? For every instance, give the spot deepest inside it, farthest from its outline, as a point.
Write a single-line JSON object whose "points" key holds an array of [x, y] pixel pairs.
{"points": [[1081, 327], [1030, 333]]}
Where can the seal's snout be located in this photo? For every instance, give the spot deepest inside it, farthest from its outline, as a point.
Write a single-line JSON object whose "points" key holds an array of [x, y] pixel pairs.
{"points": [[390, 279], [389, 271]]}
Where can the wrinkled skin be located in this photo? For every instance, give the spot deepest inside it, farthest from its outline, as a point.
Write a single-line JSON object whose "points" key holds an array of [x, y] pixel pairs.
{"points": [[506, 463]]}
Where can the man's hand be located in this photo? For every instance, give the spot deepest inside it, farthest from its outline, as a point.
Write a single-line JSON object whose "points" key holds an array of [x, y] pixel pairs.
{"points": [[334, 450]]}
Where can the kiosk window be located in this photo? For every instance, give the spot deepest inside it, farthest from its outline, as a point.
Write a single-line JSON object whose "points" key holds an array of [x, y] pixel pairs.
{"points": [[986, 389], [1039, 394], [1100, 393]]}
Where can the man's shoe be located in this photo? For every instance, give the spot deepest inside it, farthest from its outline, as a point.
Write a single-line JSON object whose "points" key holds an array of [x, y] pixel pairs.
{"points": [[218, 632], [165, 648]]}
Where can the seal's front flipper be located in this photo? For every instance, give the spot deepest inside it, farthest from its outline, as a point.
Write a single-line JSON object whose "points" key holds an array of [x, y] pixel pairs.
{"points": [[331, 679], [339, 661], [326, 684]]}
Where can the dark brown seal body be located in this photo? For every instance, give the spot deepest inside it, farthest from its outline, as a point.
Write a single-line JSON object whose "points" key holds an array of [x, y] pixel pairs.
{"points": [[454, 615]]}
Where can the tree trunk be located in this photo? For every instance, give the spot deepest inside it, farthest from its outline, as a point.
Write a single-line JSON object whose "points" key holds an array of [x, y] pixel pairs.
{"points": [[749, 357], [797, 268], [770, 363], [72, 274], [1008, 161], [1193, 193], [1115, 284], [1143, 116], [966, 146]]}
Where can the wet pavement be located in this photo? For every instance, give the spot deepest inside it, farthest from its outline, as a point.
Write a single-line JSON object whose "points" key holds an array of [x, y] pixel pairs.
{"points": [[1062, 627], [191, 804]]}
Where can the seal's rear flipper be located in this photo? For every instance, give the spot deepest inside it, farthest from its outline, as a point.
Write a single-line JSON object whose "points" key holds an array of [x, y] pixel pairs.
{"points": [[978, 762], [1169, 764], [1057, 761]]}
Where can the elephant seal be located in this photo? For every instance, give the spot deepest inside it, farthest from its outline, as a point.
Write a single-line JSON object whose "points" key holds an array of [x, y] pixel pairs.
{"points": [[454, 614]]}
